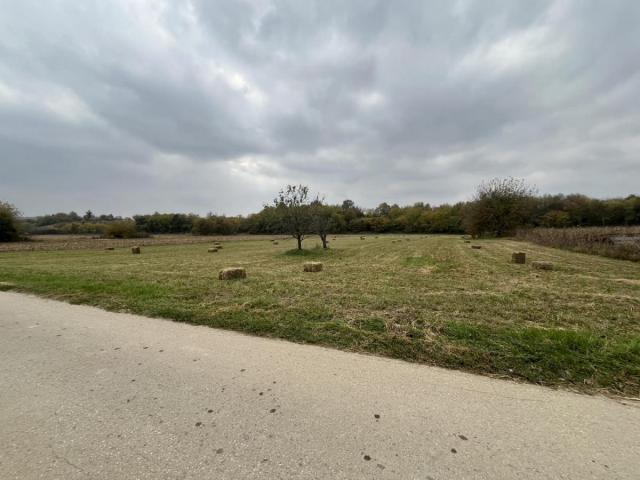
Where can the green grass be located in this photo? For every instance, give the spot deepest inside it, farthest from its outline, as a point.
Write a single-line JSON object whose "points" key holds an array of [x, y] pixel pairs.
{"points": [[431, 299]]}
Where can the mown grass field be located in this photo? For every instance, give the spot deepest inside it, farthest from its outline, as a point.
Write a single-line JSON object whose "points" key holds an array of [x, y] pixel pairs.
{"points": [[427, 299], [91, 242]]}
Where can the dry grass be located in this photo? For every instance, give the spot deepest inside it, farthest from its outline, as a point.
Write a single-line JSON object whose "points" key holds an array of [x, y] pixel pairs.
{"points": [[542, 265], [432, 300], [614, 242], [87, 242]]}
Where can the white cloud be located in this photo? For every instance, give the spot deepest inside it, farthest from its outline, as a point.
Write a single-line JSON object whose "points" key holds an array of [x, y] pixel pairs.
{"points": [[369, 99], [202, 105]]}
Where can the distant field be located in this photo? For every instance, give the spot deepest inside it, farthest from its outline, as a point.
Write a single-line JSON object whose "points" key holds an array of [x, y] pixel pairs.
{"points": [[83, 242], [427, 299]]}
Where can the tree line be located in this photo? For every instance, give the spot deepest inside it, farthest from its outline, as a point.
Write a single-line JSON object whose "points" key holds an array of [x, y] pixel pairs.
{"points": [[498, 208]]}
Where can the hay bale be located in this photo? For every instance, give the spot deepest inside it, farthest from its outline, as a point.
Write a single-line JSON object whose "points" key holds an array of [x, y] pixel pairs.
{"points": [[313, 267], [361, 238], [476, 247], [218, 246], [467, 241], [275, 243], [135, 250], [540, 265], [232, 273], [109, 248], [212, 250], [519, 257]]}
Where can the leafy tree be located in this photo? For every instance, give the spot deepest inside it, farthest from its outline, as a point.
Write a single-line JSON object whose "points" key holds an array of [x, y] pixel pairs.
{"points": [[165, 222], [60, 217], [323, 220], [9, 227], [348, 204], [351, 214], [216, 225], [294, 212], [382, 210], [499, 207], [124, 229], [555, 219], [88, 216]]}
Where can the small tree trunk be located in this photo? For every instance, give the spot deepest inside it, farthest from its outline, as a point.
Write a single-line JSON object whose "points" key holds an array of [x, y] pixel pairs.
{"points": [[299, 238], [323, 237]]}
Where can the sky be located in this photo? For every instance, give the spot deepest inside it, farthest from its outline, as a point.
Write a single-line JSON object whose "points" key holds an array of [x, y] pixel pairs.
{"points": [[135, 106]]}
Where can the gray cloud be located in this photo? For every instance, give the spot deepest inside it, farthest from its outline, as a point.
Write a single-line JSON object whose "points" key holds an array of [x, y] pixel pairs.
{"points": [[133, 106]]}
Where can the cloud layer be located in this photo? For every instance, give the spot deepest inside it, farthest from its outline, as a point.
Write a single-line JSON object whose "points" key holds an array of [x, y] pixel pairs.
{"points": [[131, 106]]}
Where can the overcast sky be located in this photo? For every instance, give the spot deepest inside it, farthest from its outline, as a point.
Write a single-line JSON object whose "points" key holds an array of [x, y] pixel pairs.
{"points": [[131, 106]]}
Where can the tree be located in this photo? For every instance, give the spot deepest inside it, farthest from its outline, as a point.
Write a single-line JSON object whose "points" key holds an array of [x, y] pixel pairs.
{"points": [[382, 210], [88, 216], [322, 220], [294, 213], [499, 207], [124, 229], [9, 228], [351, 213]]}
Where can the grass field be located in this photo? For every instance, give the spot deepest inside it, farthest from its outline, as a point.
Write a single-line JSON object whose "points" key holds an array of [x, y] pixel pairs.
{"points": [[84, 242], [427, 299]]}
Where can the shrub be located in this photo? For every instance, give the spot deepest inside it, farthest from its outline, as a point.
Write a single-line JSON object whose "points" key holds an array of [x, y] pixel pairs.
{"points": [[9, 227], [124, 229]]}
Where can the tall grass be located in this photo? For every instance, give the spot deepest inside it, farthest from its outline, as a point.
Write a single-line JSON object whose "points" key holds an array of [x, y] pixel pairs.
{"points": [[615, 242]]}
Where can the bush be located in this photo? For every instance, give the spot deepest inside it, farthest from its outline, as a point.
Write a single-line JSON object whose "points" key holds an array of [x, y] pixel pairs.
{"points": [[216, 225], [165, 222], [85, 228], [9, 227], [500, 206], [124, 229]]}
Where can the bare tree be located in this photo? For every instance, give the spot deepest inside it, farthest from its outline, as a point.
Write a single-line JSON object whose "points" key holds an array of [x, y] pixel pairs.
{"points": [[294, 211]]}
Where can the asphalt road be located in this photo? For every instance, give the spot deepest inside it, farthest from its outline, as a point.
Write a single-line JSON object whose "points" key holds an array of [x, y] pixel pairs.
{"points": [[90, 394]]}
